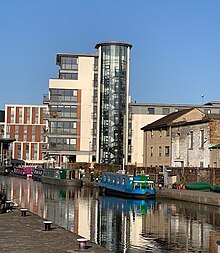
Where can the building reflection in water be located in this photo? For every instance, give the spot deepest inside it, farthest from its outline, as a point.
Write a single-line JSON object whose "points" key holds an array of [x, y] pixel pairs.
{"points": [[121, 225]]}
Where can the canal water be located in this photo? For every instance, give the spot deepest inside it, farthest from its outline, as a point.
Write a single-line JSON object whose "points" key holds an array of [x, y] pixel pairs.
{"points": [[120, 225]]}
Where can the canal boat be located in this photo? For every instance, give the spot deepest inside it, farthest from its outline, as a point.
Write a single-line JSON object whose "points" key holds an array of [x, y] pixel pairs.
{"points": [[25, 172], [129, 186], [60, 176], [38, 173], [200, 186]]}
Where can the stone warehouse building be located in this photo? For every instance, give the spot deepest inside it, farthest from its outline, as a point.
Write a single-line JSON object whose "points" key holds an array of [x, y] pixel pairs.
{"points": [[187, 138], [142, 114]]}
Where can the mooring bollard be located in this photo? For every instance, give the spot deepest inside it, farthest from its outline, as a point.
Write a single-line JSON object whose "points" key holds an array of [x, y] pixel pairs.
{"points": [[218, 246], [8, 204], [82, 243], [47, 225], [23, 211]]}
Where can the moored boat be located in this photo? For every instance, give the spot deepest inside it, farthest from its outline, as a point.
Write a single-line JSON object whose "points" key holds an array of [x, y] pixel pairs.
{"points": [[23, 171], [129, 186], [57, 176], [201, 186], [38, 173]]}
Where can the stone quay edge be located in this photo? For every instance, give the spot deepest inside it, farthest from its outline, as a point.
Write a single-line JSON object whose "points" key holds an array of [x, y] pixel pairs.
{"points": [[27, 235]]}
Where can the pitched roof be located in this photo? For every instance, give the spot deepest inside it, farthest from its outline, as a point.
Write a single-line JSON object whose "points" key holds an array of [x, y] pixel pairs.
{"points": [[167, 120]]}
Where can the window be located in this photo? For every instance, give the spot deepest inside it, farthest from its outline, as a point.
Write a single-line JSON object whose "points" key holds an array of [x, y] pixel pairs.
{"points": [[35, 151], [69, 63], [28, 115], [167, 131], [202, 139], [16, 131], [160, 151], [27, 153], [151, 151], [151, 110], [167, 150], [12, 119], [207, 111], [165, 111], [71, 76], [151, 133], [19, 150], [33, 133], [178, 145], [191, 140], [20, 110], [36, 116], [25, 133], [63, 95]]}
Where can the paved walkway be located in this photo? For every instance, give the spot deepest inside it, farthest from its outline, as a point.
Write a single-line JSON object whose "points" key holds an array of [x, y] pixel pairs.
{"points": [[26, 235]]}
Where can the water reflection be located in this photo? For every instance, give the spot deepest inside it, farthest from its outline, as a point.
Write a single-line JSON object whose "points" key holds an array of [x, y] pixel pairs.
{"points": [[121, 225]]}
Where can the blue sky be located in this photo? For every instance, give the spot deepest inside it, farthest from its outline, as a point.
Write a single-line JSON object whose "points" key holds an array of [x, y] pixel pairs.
{"points": [[175, 56]]}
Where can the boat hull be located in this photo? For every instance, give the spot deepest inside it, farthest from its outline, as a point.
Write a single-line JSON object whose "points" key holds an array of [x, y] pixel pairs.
{"points": [[61, 182], [199, 186], [130, 195]]}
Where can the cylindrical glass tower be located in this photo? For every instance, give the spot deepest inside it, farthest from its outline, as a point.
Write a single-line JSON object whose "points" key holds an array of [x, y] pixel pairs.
{"points": [[114, 94]]}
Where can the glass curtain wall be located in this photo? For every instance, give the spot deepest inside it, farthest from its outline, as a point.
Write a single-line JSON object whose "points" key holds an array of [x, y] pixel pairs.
{"points": [[114, 62]]}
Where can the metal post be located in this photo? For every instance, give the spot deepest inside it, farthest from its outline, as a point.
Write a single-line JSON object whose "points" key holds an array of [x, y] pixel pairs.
{"points": [[89, 151], [1, 153], [218, 246]]}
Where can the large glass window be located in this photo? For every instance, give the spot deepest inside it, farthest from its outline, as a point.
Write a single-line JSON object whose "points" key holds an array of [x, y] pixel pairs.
{"points": [[72, 76], [69, 63], [59, 127], [63, 144], [63, 95]]}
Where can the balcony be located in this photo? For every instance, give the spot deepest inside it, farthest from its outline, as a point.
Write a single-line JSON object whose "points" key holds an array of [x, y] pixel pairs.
{"points": [[46, 99]]}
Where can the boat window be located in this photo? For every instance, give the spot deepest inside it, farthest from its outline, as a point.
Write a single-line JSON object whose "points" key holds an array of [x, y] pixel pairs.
{"points": [[104, 178], [113, 180], [143, 186], [118, 180], [109, 178], [123, 181]]}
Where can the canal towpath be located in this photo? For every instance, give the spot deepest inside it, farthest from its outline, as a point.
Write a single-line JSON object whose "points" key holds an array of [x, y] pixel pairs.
{"points": [[201, 197], [27, 234]]}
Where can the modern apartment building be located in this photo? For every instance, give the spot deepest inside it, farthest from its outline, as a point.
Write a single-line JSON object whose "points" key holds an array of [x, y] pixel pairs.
{"points": [[87, 117], [25, 124], [143, 114], [72, 101]]}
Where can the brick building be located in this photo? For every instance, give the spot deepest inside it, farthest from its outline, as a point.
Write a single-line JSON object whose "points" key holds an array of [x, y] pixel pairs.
{"points": [[25, 124]]}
